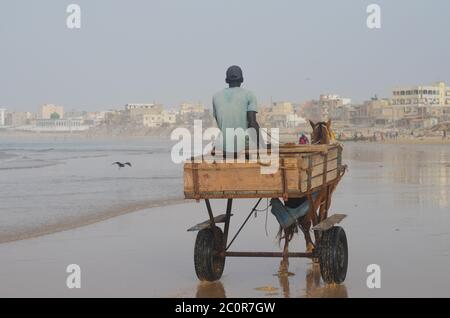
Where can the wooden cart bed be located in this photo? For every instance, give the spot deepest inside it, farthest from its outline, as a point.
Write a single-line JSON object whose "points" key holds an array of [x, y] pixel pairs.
{"points": [[302, 169]]}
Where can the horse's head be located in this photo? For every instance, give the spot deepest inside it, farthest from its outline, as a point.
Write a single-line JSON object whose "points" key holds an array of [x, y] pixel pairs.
{"points": [[321, 132]]}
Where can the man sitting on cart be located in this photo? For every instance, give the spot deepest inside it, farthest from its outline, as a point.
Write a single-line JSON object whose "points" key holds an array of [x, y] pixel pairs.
{"points": [[235, 108]]}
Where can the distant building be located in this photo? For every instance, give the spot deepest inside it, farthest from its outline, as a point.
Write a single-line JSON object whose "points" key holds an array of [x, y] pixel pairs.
{"points": [[294, 120], [380, 112], [114, 117], [2, 117], [96, 117], [169, 117], [49, 110], [333, 99], [17, 119], [144, 107], [152, 120], [418, 102], [158, 120], [60, 125], [282, 108], [188, 113], [312, 110], [358, 114], [281, 115], [136, 112], [75, 114], [91, 118], [187, 108], [333, 106]]}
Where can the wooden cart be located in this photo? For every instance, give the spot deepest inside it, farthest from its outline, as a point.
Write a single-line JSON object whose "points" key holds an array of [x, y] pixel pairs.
{"points": [[311, 171]]}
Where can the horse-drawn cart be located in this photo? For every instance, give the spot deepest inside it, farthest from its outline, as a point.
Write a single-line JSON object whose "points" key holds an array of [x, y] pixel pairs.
{"points": [[311, 172]]}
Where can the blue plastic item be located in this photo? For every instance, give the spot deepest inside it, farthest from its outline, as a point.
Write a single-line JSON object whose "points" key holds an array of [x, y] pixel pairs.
{"points": [[287, 216]]}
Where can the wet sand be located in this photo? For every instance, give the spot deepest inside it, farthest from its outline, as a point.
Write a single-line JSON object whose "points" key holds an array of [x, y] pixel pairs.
{"points": [[396, 199]]}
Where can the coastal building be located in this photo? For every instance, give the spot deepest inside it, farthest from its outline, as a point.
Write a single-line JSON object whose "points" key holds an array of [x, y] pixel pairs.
{"points": [[18, 119], [190, 112], [333, 106], [188, 108], [419, 102], [294, 120], [114, 117], [280, 114], [60, 125], [75, 114], [381, 112], [96, 117], [358, 115], [282, 108], [152, 107], [49, 111], [136, 112], [312, 110], [169, 117], [153, 120], [158, 120], [334, 100], [2, 117]]}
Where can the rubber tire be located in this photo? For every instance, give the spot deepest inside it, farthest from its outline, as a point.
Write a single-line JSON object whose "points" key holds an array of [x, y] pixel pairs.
{"points": [[333, 255], [208, 264]]}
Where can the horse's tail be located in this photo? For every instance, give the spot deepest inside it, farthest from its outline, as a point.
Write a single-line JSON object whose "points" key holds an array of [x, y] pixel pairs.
{"points": [[288, 233]]}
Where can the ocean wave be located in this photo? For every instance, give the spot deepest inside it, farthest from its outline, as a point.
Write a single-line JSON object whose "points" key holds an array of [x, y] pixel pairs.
{"points": [[27, 164], [6, 155], [141, 150]]}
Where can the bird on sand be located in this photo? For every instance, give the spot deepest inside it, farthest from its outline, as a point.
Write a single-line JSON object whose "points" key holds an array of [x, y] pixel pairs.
{"points": [[122, 165]]}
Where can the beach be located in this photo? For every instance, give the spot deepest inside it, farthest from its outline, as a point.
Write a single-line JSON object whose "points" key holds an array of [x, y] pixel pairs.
{"points": [[54, 183], [396, 198]]}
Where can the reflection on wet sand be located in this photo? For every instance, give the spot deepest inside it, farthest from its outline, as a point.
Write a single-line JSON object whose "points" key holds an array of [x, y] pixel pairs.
{"points": [[284, 283], [210, 290], [315, 288], [426, 166]]}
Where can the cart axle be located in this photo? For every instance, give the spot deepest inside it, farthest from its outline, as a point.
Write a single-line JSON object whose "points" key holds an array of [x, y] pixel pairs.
{"points": [[267, 254]]}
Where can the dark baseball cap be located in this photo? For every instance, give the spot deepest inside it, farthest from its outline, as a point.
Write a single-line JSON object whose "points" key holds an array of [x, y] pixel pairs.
{"points": [[234, 74]]}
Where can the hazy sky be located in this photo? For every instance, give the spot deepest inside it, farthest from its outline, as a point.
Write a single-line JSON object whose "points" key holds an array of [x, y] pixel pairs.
{"points": [[172, 51]]}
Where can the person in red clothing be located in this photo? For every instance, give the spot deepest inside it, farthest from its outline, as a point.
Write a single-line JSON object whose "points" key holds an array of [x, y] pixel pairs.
{"points": [[303, 140]]}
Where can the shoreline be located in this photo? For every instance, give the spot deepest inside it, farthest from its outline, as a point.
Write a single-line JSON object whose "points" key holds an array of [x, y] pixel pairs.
{"points": [[74, 222], [404, 141], [70, 224], [162, 134]]}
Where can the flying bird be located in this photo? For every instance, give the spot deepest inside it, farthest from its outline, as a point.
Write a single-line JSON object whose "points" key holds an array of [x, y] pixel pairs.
{"points": [[122, 165]]}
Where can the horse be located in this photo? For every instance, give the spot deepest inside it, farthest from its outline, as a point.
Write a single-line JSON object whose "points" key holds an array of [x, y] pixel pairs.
{"points": [[321, 135]]}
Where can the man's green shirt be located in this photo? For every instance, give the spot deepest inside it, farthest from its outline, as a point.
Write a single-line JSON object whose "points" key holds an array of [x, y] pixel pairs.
{"points": [[230, 107]]}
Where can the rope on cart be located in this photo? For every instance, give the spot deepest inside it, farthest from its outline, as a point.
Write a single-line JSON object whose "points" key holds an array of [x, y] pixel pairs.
{"points": [[266, 209], [243, 224]]}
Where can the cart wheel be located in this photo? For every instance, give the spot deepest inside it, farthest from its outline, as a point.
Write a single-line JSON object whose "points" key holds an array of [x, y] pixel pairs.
{"points": [[333, 255], [209, 264]]}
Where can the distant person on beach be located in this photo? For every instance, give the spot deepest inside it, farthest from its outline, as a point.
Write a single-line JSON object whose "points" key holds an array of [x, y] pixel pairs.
{"points": [[303, 139], [235, 107]]}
